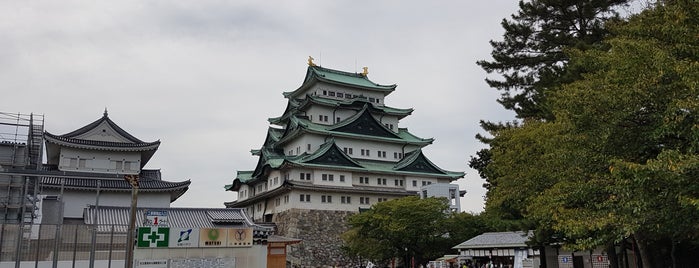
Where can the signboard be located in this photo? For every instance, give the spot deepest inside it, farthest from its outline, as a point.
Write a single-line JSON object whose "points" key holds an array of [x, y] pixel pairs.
{"points": [[240, 237], [153, 237], [184, 237], [213, 237], [155, 218], [151, 263]]}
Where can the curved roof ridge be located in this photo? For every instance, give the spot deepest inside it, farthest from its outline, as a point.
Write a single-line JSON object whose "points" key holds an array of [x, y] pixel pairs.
{"points": [[323, 151], [369, 119], [104, 118], [417, 161]]}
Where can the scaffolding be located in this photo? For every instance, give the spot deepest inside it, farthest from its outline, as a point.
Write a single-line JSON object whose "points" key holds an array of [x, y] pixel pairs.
{"points": [[21, 149]]}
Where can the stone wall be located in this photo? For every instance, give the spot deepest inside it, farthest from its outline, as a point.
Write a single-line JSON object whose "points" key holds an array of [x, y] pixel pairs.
{"points": [[320, 231]]}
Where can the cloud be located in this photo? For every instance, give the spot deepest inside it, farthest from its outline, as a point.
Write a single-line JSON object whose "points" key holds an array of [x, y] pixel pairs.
{"points": [[204, 76]]}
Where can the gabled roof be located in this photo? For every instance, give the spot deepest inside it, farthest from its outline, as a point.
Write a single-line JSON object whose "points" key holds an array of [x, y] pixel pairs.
{"points": [[364, 123], [416, 161], [329, 154], [108, 216], [497, 240], [102, 134], [316, 74]]}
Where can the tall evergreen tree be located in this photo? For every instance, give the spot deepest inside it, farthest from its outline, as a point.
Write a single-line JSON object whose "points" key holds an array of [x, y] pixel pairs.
{"points": [[532, 61], [531, 55]]}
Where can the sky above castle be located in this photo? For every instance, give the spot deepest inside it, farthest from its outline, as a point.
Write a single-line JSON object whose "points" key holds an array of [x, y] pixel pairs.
{"points": [[204, 76]]}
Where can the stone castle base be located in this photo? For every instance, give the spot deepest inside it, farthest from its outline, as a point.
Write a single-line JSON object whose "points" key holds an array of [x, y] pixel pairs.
{"points": [[320, 231]]}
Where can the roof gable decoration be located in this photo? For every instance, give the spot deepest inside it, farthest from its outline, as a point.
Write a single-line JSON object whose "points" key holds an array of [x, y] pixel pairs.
{"points": [[103, 129], [330, 154], [364, 123], [416, 161]]}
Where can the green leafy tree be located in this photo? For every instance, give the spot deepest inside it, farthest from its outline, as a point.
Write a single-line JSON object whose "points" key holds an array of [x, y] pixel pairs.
{"points": [[406, 228], [532, 62], [620, 160]]}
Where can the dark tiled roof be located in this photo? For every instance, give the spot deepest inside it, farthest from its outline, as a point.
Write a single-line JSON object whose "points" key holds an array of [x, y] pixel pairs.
{"points": [[176, 189], [66, 141], [497, 240], [112, 184], [70, 138], [93, 125], [177, 217]]}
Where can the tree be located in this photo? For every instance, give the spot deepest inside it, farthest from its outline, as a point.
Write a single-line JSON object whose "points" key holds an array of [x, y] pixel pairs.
{"points": [[531, 56], [532, 61], [399, 228], [621, 159]]}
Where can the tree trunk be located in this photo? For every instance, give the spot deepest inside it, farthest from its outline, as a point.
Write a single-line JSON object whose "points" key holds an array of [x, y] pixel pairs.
{"points": [[612, 255], [642, 244]]}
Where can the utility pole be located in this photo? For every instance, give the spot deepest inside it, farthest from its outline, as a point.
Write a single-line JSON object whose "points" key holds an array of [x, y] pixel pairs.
{"points": [[133, 180]]}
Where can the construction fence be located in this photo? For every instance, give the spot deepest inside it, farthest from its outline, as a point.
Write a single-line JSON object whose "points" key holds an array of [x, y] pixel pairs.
{"points": [[62, 245]]}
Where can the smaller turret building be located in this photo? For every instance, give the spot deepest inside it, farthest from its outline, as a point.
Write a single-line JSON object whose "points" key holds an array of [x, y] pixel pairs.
{"points": [[86, 167]]}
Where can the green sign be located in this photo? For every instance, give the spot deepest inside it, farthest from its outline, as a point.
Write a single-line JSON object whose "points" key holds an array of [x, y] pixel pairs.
{"points": [[153, 237]]}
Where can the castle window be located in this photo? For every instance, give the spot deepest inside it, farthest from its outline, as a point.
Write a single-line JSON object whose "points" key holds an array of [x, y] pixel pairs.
{"points": [[326, 199], [331, 93], [286, 199], [348, 96], [308, 147], [340, 95], [414, 183], [364, 200], [325, 92], [398, 182], [347, 150], [342, 178], [338, 120], [382, 199], [346, 200], [380, 181], [305, 198], [372, 99], [364, 180]]}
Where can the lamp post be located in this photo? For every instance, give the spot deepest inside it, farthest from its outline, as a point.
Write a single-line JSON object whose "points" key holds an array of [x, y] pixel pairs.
{"points": [[133, 180]]}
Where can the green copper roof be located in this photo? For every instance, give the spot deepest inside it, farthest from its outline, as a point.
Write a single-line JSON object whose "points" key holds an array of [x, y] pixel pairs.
{"points": [[363, 123], [298, 126], [317, 73], [295, 107], [330, 154]]}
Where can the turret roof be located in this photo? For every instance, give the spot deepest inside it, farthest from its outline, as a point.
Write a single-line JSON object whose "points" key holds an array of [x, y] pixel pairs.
{"points": [[102, 134]]}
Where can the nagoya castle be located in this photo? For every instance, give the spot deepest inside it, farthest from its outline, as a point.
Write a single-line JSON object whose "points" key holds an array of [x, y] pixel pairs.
{"points": [[337, 149]]}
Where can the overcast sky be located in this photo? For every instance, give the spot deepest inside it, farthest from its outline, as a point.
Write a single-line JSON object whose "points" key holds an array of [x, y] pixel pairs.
{"points": [[203, 76]]}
